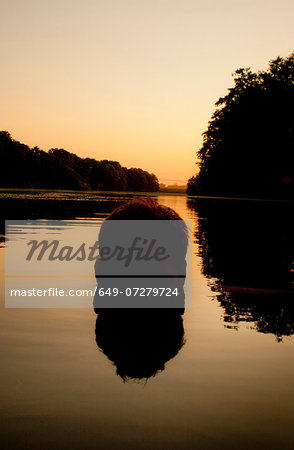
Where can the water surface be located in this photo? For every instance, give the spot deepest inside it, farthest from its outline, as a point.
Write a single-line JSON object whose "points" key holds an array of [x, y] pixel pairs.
{"points": [[229, 386]]}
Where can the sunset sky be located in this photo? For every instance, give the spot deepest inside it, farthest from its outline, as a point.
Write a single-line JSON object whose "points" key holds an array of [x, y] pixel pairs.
{"points": [[130, 80]]}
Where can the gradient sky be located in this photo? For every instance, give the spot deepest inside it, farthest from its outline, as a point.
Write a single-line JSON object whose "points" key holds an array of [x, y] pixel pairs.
{"points": [[130, 80]]}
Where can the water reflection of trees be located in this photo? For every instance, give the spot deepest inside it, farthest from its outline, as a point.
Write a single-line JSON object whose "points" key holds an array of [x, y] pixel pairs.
{"points": [[247, 251]]}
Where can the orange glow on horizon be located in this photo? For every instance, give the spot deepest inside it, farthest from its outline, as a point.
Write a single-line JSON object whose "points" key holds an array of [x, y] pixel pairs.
{"points": [[130, 81]]}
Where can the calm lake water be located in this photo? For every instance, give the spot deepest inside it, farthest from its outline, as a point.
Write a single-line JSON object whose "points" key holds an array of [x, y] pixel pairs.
{"points": [[230, 386]]}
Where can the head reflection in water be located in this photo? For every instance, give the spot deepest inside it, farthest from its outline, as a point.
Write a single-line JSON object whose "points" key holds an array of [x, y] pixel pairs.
{"points": [[139, 341]]}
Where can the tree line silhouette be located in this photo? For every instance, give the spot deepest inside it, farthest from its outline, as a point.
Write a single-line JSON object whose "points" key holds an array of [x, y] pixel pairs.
{"points": [[248, 147], [25, 167]]}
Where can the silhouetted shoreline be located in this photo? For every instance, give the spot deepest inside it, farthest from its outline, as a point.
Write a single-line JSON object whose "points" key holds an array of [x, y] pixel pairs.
{"points": [[25, 167]]}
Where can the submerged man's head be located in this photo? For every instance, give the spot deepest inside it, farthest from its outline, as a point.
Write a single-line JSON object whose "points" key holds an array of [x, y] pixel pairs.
{"points": [[142, 220], [139, 339]]}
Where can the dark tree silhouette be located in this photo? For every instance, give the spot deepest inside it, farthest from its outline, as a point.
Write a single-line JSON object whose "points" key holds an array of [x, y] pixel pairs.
{"points": [[23, 167], [248, 147], [139, 180]]}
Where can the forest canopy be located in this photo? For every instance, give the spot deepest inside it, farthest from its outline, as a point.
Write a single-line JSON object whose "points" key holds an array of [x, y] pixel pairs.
{"points": [[248, 147], [25, 167]]}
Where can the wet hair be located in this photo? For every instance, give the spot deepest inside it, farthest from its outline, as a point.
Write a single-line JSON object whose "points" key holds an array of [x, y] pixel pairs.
{"points": [[147, 208]]}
